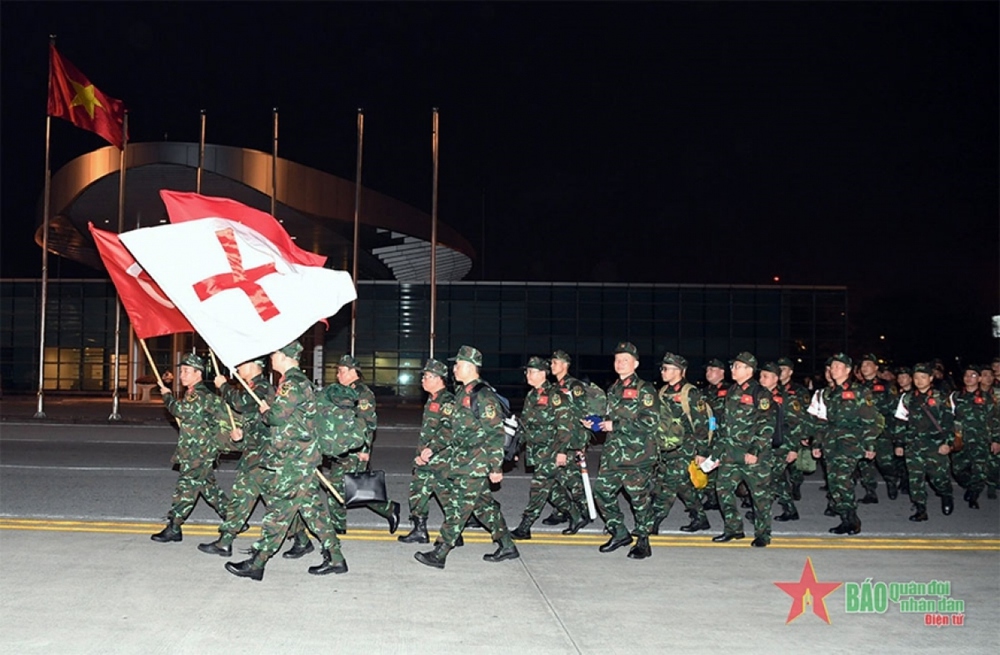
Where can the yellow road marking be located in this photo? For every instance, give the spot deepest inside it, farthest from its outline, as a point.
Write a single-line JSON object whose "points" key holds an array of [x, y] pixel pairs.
{"points": [[544, 539]]}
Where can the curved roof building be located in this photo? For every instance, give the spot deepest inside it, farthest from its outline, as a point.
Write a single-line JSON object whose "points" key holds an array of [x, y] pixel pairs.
{"points": [[315, 207]]}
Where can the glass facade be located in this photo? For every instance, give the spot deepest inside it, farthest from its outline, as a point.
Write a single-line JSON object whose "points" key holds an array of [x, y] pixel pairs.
{"points": [[507, 321]]}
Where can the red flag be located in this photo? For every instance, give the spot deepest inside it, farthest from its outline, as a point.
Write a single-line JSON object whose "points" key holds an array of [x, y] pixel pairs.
{"points": [[73, 97], [183, 206], [151, 312]]}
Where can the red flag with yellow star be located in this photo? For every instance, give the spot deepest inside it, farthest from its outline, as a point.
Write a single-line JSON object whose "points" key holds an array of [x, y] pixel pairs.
{"points": [[73, 97]]}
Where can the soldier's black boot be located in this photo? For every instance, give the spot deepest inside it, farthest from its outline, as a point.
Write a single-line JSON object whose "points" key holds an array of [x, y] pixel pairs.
{"points": [[968, 492], [947, 505], [796, 492], [301, 547], [656, 524], [434, 557], [904, 486], [418, 535], [247, 569], [891, 489], [855, 523], [505, 550], [616, 541], [170, 533], [393, 517], [696, 524], [328, 565], [218, 547], [844, 527], [921, 512], [788, 514], [829, 511], [974, 500], [577, 524], [555, 518], [641, 549], [523, 530], [871, 498]]}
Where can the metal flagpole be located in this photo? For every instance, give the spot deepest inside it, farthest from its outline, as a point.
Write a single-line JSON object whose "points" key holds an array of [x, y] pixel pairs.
{"points": [[357, 225], [434, 224], [115, 416], [201, 154], [274, 165], [40, 410]]}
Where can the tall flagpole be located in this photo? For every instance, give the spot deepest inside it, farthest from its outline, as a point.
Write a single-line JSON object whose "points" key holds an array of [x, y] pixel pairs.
{"points": [[201, 154], [434, 226], [274, 165], [357, 225], [40, 410], [115, 416]]}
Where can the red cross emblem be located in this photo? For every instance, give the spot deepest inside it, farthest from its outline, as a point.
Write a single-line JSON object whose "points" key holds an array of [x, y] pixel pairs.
{"points": [[237, 278]]}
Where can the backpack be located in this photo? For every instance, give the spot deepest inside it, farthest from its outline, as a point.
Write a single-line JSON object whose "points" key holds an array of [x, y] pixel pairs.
{"points": [[595, 400], [511, 429], [686, 406]]}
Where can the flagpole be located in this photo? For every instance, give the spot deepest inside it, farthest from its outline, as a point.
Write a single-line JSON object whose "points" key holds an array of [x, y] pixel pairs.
{"points": [[40, 410], [115, 416], [201, 154], [274, 165], [357, 225], [434, 215]]}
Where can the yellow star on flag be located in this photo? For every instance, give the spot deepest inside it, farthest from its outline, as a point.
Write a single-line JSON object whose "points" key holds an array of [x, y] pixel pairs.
{"points": [[85, 98]]}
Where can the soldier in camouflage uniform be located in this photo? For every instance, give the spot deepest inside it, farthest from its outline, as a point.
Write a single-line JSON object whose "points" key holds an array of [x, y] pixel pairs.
{"points": [[715, 395], [925, 439], [685, 412], [629, 458], [435, 432], [547, 432], [987, 384], [249, 438], [575, 393], [886, 398], [203, 434], [973, 409], [798, 397], [788, 419], [291, 456], [742, 450], [473, 459]]}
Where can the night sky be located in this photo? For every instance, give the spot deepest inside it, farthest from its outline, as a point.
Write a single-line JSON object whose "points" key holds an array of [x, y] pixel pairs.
{"points": [[831, 143]]}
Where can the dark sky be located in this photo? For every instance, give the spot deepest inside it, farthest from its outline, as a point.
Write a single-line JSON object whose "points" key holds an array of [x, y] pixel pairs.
{"points": [[832, 143]]}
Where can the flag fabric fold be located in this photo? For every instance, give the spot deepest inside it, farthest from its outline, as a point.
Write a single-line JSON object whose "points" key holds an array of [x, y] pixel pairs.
{"points": [[238, 288], [150, 311], [74, 98]]}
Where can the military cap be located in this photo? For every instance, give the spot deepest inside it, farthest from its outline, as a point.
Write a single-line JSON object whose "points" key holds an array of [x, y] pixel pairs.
{"points": [[293, 350], [259, 361], [786, 361], [747, 359], [194, 361], [537, 363], [670, 359], [829, 360], [715, 363], [869, 357], [904, 370], [562, 355], [348, 361], [468, 354], [627, 347], [975, 368], [924, 367], [771, 367], [439, 369], [843, 358]]}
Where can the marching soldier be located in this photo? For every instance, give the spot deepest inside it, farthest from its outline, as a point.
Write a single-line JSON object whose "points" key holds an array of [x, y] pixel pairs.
{"points": [[250, 438], [548, 436], [973, 409], [742, 451], [200, 418], [987, 382], [575, 393], [926, 440], [715, 395], [798, 397], [473, 460], [435, 433], [787, 420], [683, 408], [884, 395], [630, 453]]}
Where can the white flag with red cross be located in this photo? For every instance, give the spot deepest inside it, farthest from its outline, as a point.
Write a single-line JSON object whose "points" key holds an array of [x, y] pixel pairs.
{"points": [[235, 286]]}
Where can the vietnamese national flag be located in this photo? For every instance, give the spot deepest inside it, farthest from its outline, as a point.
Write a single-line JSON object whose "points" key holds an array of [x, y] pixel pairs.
{"points": [[238, 289], [186, 206], [150, 311], [73, 97]]}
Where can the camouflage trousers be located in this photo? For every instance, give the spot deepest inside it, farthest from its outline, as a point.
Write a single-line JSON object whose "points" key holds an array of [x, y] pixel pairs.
{"points": [[672, 481], [927, 463], [247, 487], [757, 478], [466, 496], [992, 471], [840, 470], [424, 484], [560, 485], [969, 464], [193, 482], [781, 481], [638, 486], [286, 500], [341, 466]]}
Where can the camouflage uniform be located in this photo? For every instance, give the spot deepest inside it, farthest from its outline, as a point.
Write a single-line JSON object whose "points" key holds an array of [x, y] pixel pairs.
{"points": [[788, 418], [797, 398], [885, 397], [571, 491], [435, 433], [920, 439], [715, 396], [973, 412]]}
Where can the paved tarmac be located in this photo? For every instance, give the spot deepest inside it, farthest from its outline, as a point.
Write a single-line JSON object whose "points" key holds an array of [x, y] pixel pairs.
{"points": [[79, 497]]}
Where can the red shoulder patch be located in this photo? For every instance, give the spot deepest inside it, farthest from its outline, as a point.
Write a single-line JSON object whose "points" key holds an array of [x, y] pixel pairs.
{"points": [[878, 387], [543, 400], [434, 407], [780, 400], [630, 393], [848, 395], [746, 399], [722, 393], [979, 400], [467, 402], [931, 402], [676, 398]]}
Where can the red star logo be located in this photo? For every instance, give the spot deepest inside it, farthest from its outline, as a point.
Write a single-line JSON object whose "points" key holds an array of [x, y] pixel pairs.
{"points": [[807, 591]]}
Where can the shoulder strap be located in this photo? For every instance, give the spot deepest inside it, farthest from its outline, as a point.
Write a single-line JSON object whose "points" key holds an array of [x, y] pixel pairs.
{"points": [[686, 402]]}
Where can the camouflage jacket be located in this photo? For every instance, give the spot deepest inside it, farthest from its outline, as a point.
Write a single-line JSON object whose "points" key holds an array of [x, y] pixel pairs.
{"points": [[476, 447], [746, 423], [797, 398], [546, 424], [693, 427], [789, 420], [918, 429], [203, 426], [885, 396], [340, 427], [255, 431], [973, 414], [435, 428], [715, 396], [292, 448], [851, 425], [575, 392], [634, 410]]}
